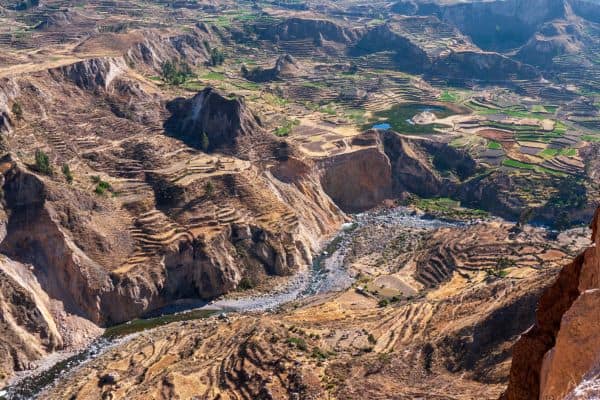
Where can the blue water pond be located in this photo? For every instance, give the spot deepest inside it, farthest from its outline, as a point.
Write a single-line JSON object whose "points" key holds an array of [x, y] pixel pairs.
{"points": [[384, 126]]}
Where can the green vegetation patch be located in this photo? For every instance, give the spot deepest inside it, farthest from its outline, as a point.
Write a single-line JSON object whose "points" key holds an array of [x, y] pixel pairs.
{"points": [[399, 117], [551, 153], [213, 76], [449, 97], [101, 186], [139, 325], [357, 116], [447, 208], [298, 342], [531, 167], [591, 138], [492, 145], [287, 127], [42, 163], [328, 109], [176, 73]]}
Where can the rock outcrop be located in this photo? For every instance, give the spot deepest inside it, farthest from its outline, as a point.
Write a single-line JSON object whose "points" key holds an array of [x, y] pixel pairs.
{"points": [[553, 39], [386, 165], [370, 172], [562, 348], [408, 56], [315, 29], [93, 74], [488, 67], [415, 172], [493, 25], [211, 121], [27, 327], [285, 67]]}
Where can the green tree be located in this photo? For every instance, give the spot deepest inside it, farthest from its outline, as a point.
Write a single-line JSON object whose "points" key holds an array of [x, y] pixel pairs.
{"points": [[563, 221], [217, 57], [176, 73], [17, 110], [42, 162], [209, 189], [67, 173], [204, 142]]}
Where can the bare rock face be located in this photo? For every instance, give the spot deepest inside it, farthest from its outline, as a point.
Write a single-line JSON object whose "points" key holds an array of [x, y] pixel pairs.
{"points": [[388, 165], [94, 73], [414, 172], [563, 346], [224, 121], [285, 66], [27, 327], [8, 90], [316, 29], [369, 170], [35, 235]]}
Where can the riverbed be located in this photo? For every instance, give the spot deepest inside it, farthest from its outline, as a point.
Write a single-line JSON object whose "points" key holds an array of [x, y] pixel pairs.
{"points": [[327, 274]]}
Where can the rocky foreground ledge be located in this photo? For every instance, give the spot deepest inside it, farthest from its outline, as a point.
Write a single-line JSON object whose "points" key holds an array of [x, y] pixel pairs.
{"points": [[559, 357]]}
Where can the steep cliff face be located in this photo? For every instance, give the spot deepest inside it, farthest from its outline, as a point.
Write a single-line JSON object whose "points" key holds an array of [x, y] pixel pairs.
{"points": [[93, 74], [386, 164], [489, 67], [493, 25], [562, 348], [370, 172], [209, 114], [154, 49], [415, 172], [28, 330], [316, 29], [35, 236], [8, 90], [409, 57]]}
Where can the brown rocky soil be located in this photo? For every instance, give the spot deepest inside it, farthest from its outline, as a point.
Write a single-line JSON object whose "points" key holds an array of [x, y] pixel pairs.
{"points": [[451, 340]]}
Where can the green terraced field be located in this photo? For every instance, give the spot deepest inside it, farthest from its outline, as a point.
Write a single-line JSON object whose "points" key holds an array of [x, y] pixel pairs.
{"points": [[532, 167], [494, 145], [399, 118]]}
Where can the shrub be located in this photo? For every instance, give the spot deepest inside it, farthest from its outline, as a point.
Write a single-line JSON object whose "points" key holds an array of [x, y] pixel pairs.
{"points": [[176, 73], [372, 339], [42, 162], [504, 263], [298, 342], [101, 186], [67, 173], [383, 303], [319, 354], [209, 189], [287, 127], [17, 110], [217, 57], [245, 284]]}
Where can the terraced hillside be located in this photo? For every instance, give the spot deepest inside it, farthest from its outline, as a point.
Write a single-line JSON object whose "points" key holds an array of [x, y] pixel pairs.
{"points": [[365, 341], [156, 155]]}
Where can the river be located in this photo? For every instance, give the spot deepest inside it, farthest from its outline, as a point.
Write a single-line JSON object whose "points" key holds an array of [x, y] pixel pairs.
{"points": [[327, 274]]}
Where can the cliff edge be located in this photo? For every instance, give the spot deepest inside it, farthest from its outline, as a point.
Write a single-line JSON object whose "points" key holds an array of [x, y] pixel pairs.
{"points": [[559, 356]]}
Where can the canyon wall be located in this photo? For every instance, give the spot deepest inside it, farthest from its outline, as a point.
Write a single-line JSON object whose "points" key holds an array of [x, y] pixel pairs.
{"points": [[562, 349]]}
